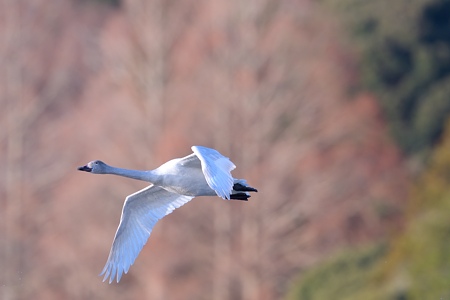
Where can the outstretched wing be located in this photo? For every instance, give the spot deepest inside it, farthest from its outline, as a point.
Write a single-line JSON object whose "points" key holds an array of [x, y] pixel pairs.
{"points": [[140, 213], [216, 169]]}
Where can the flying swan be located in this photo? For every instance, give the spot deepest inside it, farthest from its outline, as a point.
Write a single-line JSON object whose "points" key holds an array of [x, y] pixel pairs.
{"points": [[205, 172]]}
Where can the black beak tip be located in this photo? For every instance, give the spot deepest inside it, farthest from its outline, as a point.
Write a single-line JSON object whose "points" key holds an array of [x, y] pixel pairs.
{"points": [[85, 168]]}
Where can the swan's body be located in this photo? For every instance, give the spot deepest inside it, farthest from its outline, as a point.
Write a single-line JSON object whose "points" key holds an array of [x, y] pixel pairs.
{"points": [[203, 173]]}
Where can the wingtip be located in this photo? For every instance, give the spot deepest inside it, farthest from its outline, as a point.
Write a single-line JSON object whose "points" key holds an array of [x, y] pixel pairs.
{"points": [[104, 278], [106, 273]]}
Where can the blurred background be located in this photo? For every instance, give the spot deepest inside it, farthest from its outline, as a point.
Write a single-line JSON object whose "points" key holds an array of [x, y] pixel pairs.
{"points": [[335, 110]]}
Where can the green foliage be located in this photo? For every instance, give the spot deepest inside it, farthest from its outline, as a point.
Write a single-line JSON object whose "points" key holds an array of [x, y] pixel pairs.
{"points": [[341, 278], [432, 111], [405, 58], [424, 250], [416, 264]]}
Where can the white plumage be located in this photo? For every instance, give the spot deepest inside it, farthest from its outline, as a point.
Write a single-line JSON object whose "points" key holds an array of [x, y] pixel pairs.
{"points": [[206, 172]]}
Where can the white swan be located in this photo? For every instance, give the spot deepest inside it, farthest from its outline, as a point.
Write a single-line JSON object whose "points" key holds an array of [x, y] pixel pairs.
{"points": [[203, 173]]}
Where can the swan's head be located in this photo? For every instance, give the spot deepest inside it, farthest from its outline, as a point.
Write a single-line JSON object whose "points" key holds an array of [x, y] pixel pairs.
{"points": [[95, 166]]}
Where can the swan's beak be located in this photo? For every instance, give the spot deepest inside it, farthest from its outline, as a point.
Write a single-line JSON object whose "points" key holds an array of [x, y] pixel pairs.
{"points": [[85, 168]]}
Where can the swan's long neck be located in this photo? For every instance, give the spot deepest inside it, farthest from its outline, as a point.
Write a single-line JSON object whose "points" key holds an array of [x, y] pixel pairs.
{"points": [[148, 176]]}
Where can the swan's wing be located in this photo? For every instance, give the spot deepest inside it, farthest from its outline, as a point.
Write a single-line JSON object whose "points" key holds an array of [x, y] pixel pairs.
{"points": [[191, 161], [140, 213], [216, 169]]}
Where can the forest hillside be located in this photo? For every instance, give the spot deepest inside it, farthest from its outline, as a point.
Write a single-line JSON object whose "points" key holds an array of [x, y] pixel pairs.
{"points": [[280, 87], [404, 59]]}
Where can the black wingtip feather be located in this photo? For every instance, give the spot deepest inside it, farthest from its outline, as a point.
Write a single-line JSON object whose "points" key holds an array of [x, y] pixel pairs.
{"points": [[240, 196], [242, 188]]}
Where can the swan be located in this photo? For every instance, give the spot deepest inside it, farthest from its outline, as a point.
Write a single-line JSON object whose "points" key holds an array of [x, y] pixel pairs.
{"points": [[205, 172]]}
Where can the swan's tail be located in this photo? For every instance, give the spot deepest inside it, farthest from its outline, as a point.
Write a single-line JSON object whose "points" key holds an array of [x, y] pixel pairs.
{"points": [[241, 189]]}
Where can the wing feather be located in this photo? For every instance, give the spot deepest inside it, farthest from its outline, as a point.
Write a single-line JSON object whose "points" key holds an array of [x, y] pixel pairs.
{"points": [[140, 213], [216, 169]]}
